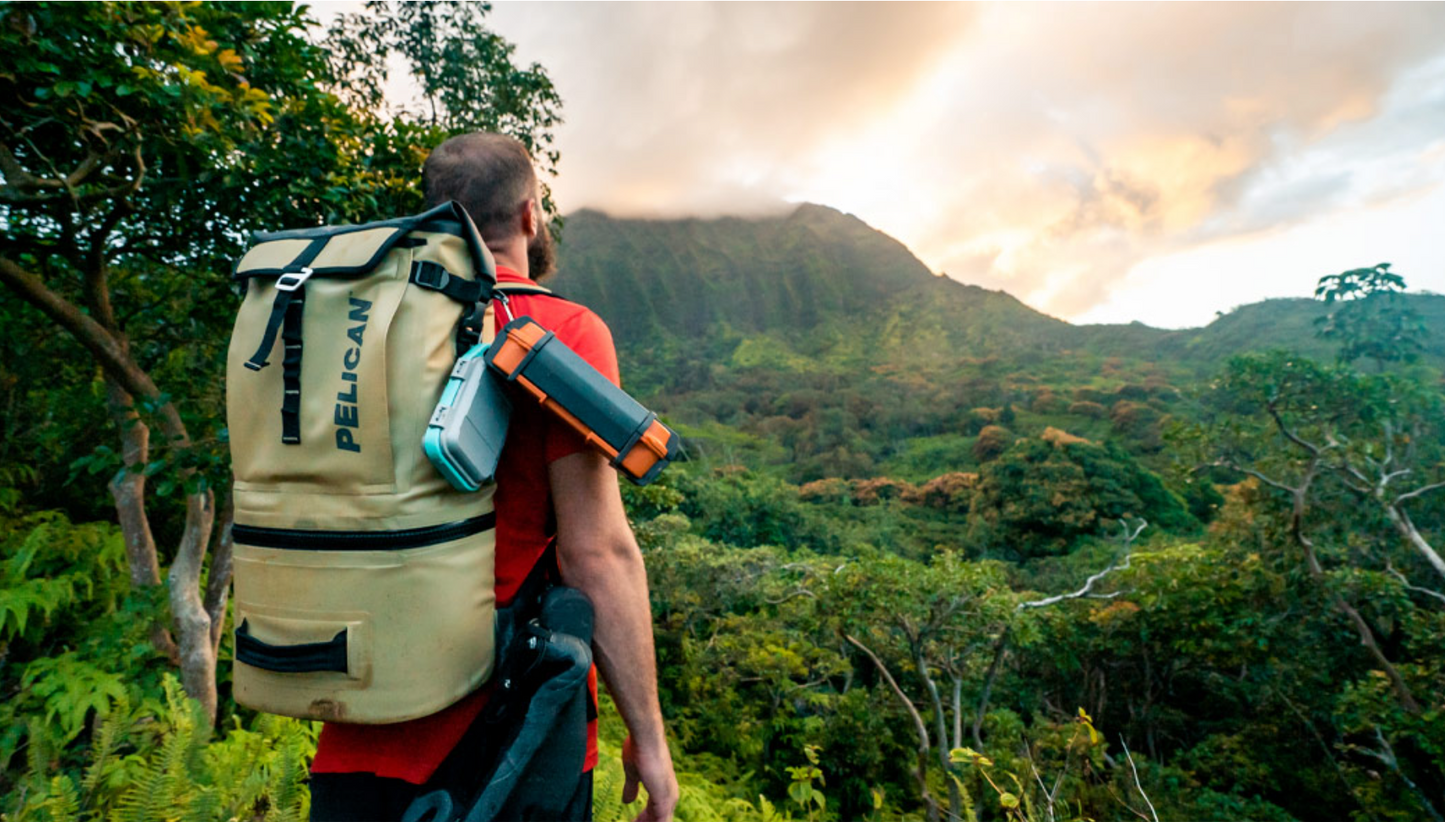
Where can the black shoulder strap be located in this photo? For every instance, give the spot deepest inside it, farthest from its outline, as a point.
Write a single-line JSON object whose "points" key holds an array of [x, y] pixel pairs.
{"points": [[525, 290]]}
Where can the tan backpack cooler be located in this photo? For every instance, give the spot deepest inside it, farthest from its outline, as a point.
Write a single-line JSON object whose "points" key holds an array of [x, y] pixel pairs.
{"points": [[363, 580]]}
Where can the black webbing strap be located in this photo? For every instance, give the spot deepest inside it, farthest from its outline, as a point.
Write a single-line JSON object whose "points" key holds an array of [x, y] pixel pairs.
{"points": [[469, 293], [432, 275], [258, 360], [291, 369], [291, 659], [519, 290], [287, 284]]}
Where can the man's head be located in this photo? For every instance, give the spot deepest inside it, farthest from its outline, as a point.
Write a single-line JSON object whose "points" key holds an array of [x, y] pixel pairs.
{"points": [[492, 176]]}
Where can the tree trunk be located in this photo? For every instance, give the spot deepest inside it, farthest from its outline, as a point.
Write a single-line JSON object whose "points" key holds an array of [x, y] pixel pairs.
{"points": [[192, 622], [218, 581], [940, 724], [197, 658], [127, 489]]}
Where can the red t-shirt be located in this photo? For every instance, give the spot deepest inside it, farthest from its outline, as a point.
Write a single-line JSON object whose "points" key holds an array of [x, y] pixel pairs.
{"points": [[414, 750]]}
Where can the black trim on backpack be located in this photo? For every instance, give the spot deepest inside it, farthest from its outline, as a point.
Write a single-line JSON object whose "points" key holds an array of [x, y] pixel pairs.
{"points": [[293, 539], [305, 658]]}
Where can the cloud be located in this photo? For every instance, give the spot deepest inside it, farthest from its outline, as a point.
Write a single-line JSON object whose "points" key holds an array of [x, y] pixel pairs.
{"points": [[1044, 149], [710, 108]]}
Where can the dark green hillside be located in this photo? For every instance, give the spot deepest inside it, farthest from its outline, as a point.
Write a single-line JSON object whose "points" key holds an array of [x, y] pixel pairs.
{"points": [[686, 277], [1286, 323], [862, 297]]}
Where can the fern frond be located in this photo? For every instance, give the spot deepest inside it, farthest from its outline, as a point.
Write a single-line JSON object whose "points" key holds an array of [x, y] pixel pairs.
{"points": [[104, 745], [38, 753], [63, 804]]}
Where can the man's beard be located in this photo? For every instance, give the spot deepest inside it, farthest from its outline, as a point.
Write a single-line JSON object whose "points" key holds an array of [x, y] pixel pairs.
{"points": [[541, 256]]}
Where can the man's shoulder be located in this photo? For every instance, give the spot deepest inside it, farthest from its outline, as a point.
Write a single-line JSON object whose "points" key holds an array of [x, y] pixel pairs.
{"points": [[566, 318]]}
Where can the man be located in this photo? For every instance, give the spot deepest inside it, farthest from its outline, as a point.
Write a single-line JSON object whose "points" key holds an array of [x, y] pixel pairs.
{"points": [[546, 475]]}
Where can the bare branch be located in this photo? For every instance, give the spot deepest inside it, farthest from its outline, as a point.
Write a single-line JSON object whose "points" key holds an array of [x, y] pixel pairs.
{"points": [[1118, 565], [998, 651], [918, 725], [1402, 522], [801, 592], [1273, 483], [1419, 492], [1289, 434], [1386, 756], [1137, 785], [1391, 570]]}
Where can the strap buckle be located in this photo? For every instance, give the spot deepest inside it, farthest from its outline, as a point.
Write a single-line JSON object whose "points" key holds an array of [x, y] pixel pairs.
{"points": [[292, 280], [431, 275]]}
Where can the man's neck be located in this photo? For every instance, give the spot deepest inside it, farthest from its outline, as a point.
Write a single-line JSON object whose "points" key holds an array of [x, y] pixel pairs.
{"points": [[512, 254]]}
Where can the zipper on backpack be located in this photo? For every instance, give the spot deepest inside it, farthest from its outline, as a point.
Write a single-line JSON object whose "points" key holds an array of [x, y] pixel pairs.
{"points": [[298, 540]]}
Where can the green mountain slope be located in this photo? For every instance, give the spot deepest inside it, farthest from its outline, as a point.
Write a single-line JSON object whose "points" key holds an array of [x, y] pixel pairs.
{"points": [[685, 277], [825, 285]]}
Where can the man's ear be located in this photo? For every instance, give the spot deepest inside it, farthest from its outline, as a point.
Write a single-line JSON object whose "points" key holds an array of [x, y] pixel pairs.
{"points": [[531, 224]]}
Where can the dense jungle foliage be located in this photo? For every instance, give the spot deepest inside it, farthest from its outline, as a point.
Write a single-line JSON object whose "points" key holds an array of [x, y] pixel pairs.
{"points": [[931, 554]]}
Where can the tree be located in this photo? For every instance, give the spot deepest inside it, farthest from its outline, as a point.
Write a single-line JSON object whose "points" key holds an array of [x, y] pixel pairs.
{"points": [[1287, 420], [122, 124], [465, 73], [1372, 320], [934, 621]]}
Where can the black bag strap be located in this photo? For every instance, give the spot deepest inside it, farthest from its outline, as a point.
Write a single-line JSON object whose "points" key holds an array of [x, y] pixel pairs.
{"points": [[525, 290], [291, 369], [291, 659], [435, 277]]}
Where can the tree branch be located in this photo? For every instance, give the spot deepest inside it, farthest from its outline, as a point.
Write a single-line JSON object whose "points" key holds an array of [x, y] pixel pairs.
{"points": [[1117, 565], [998, 651], [920, 773], [1419, 492], [1137, 784], [1317, 572], [1272, 407], [1390, 569], [1386, 756], [107, 350]]}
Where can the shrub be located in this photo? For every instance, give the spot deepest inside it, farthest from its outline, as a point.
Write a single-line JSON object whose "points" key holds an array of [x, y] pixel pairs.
{"points": [[992, 441]]}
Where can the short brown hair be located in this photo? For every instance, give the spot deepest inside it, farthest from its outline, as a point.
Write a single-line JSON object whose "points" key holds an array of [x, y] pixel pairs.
{"points": [[491, 175]]}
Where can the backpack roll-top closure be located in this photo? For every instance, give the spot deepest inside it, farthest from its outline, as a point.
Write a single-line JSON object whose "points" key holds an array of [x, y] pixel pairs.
{"points": [[364, 582], [367, 319]]}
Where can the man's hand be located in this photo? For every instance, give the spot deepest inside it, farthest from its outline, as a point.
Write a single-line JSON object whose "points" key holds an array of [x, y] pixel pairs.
{"points": [[653, 770]]}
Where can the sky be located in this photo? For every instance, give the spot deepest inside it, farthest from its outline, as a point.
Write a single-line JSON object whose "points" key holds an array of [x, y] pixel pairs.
{"points": [[1101, 162]]}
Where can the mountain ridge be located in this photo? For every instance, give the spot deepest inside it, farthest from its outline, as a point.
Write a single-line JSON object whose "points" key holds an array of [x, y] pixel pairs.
{"points": [[819, 272]]}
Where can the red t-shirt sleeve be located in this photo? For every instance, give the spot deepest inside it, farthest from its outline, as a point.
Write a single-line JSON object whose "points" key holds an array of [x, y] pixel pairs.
{"points": [[586, 334]]}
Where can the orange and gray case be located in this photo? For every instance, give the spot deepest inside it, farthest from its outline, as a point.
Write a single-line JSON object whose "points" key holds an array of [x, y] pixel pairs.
{"points": [[611, 421]]}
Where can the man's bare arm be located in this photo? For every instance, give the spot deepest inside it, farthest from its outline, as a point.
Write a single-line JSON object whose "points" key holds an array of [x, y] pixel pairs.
{"points": [[599, 556]]}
